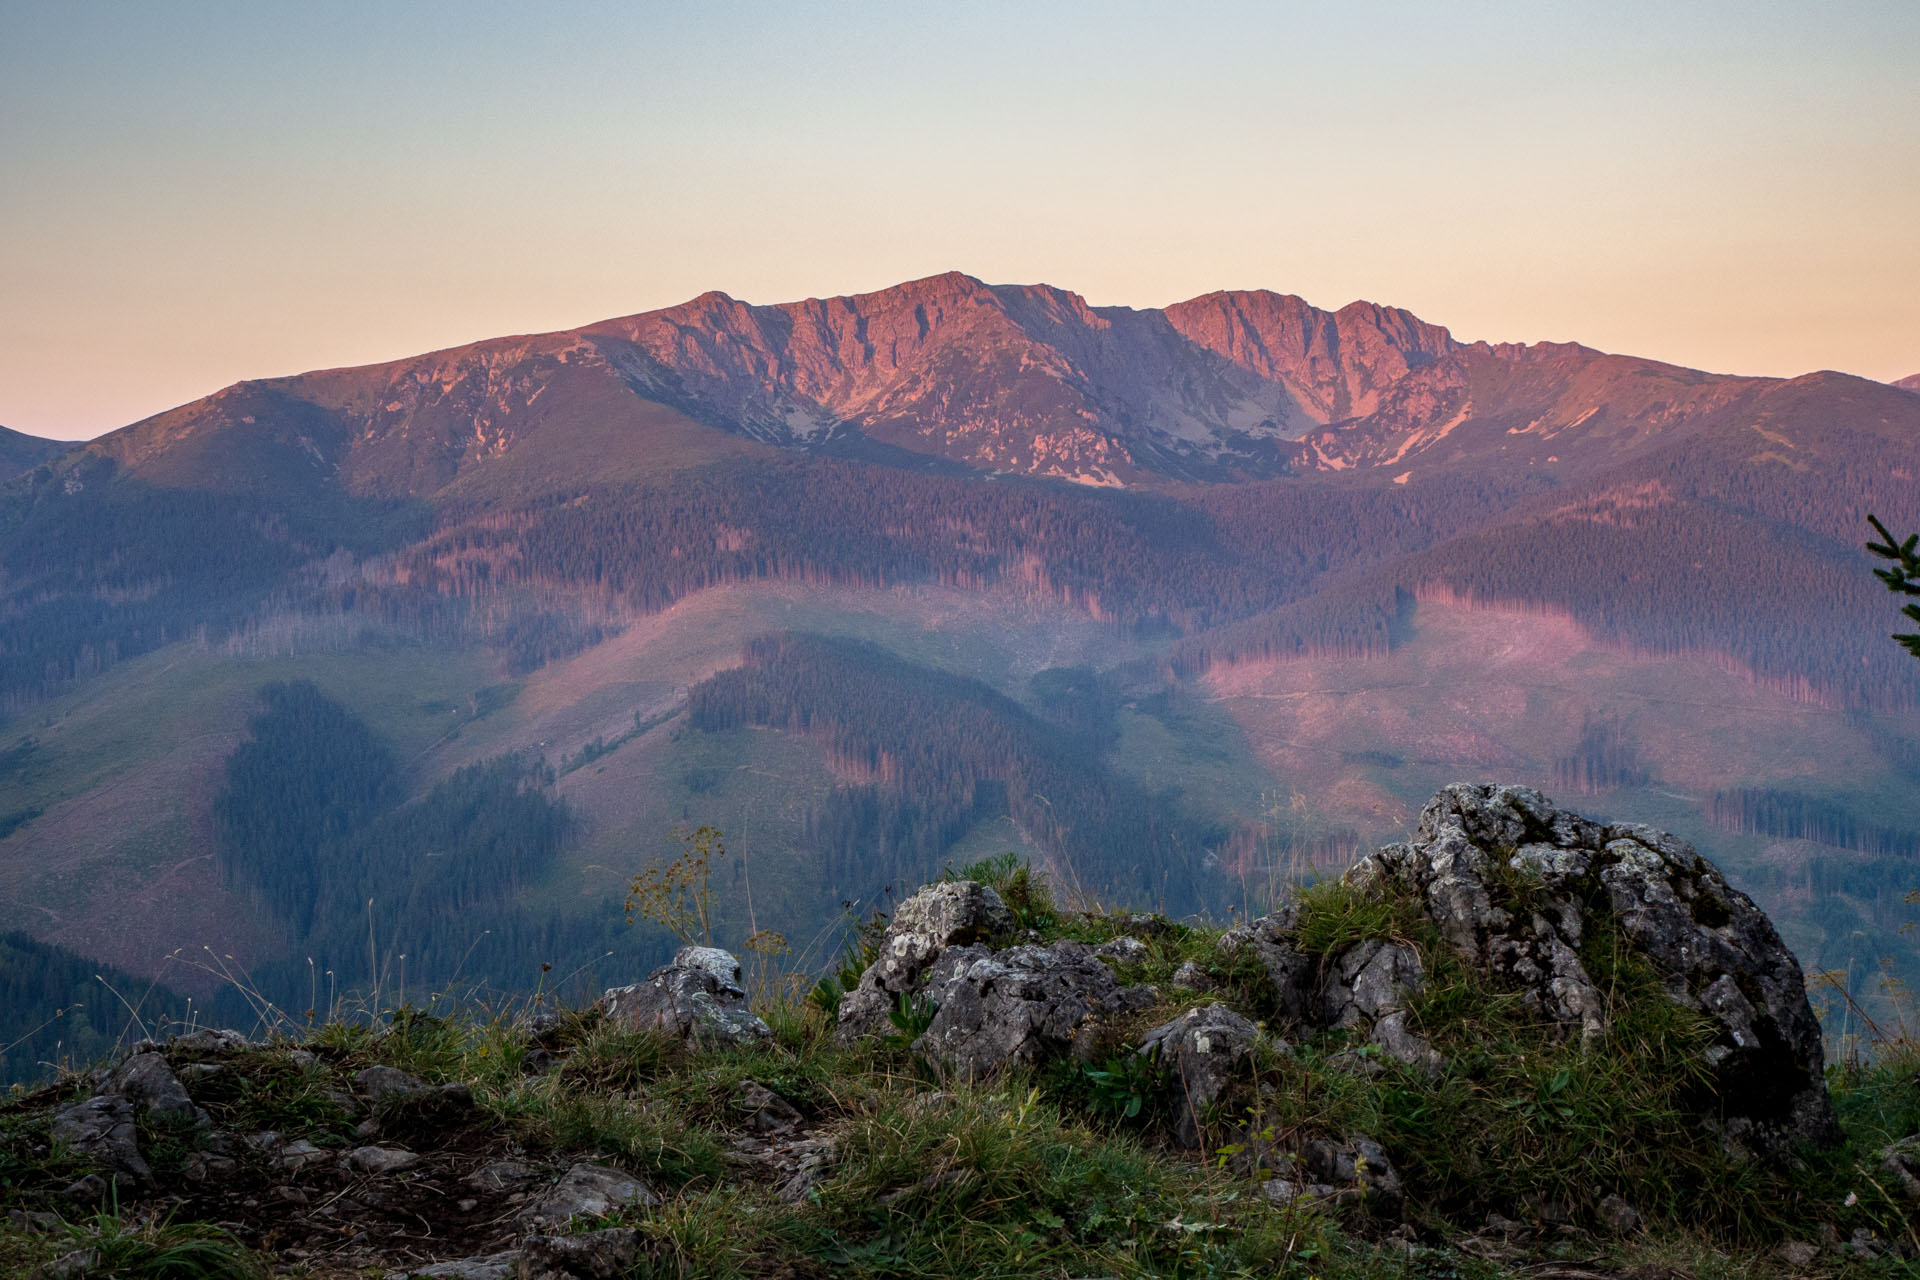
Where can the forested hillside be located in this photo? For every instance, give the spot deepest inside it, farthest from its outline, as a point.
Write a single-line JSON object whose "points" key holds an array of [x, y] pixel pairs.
{"points": [[374, 891], [946, 753], [58, 1009]]}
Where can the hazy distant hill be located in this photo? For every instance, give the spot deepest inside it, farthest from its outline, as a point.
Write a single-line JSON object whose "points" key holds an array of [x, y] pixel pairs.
{"points": [[1237, 574], [1909, 383]]}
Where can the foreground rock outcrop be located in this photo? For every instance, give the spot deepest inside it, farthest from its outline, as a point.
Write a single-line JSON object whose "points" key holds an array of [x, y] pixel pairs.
{"points": [[1384, 1052], [1514, 886], [1715, 951]]}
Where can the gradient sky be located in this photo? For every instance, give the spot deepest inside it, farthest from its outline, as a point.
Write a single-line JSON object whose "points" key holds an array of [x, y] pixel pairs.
{"points": [[194, 193]]}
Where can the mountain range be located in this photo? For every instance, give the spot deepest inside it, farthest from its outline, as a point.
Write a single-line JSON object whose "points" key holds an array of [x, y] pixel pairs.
{"points": [[1178, 601]]}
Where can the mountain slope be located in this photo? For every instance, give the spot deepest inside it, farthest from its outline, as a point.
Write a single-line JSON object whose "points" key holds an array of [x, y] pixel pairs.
{"points": [[21, 452], [1909, 383]]}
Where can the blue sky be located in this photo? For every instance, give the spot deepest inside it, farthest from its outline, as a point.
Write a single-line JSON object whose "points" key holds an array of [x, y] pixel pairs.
{"points": [[197, 193]]}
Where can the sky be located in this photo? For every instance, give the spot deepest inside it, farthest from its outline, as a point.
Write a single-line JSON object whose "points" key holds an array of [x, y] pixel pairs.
{"points": [[196, 193]]}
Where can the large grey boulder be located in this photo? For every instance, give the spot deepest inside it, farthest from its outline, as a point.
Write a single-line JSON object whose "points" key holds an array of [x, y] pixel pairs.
{"points": [[699, 997], [1205, 1051], [1024, 1004], [954, 913], [1506, 877]]}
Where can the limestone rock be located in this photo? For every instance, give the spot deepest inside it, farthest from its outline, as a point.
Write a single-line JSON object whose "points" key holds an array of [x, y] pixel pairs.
{"points": [[101, 1131], [699, 997], [1122, 950], [1368, 987], [588, 1191], [955, 913], [381, 1159], [149, 1084], [590, 1255], [1290, 972], [1715, 951], [1204, 1049], [1024, 1004]]}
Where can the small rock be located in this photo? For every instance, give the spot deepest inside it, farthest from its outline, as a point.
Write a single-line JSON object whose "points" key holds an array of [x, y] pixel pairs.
{"points": [[209, 1043], [1361, 1163], [301, 1058], [1124, 949], [202, 1167], [815, 1157], [1205, 1050], [1286, 1191], [384, 1084], [591, 1255], [290, 1195], [1864, 1244], [588, 1191], [34, 1220], [265, 1141], [77, 1265], [1798, 1254], [502, 1175], [197, 1071], [382, 1159], [466, 1206], [1192, 977], [301, 1154], [494, 1266], [367, 1129], [1621, 1218], [768, 1112], [91, 1189]]}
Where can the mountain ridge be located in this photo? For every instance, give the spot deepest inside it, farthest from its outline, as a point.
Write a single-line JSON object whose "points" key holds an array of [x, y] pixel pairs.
{"points": [[1003, 379]]}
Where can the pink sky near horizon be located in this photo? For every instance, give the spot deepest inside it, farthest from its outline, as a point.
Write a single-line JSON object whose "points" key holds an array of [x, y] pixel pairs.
{"points": [[210, 191]]}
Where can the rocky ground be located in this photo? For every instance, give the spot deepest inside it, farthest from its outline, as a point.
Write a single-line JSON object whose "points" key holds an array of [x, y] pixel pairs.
{"points": [[1522, 1043]]}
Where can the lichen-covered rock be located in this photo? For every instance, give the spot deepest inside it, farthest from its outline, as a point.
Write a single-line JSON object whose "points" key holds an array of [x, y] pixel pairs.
{"points": [[699, 997], [1024, 1004], [100, 1130], [954, 913], [1204, 1050], [1368, 987], [1714, 949]]}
